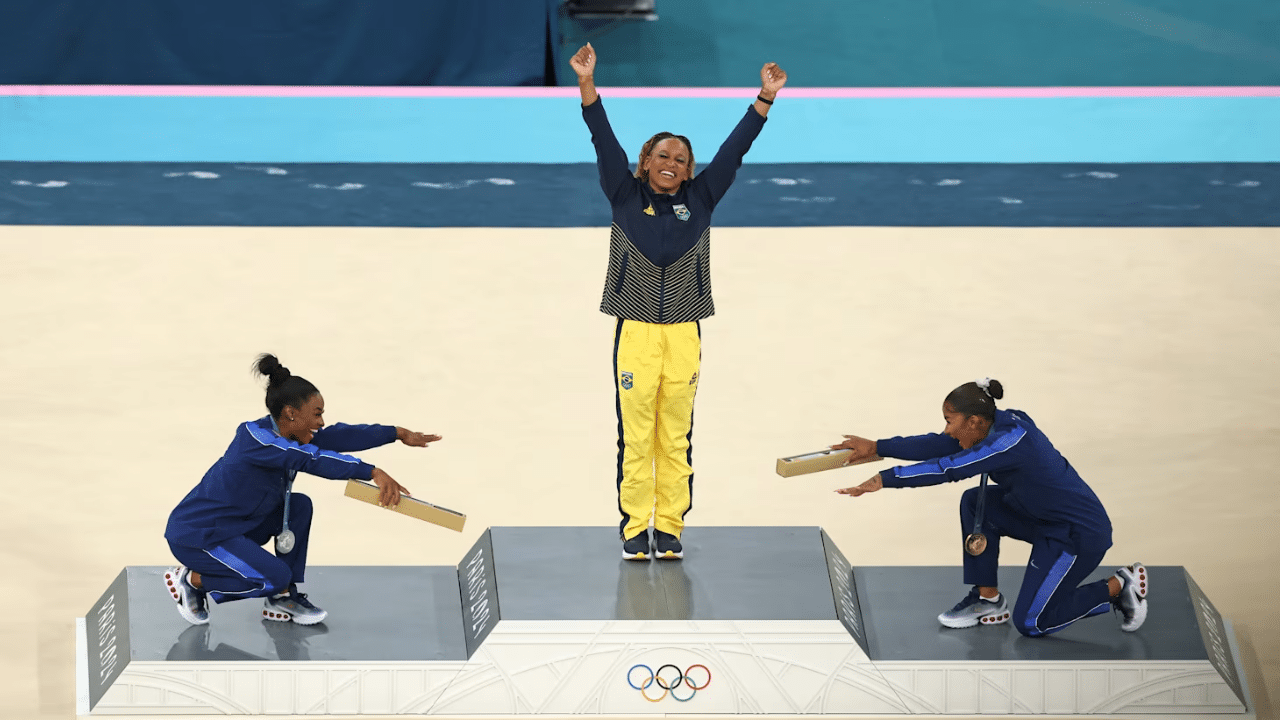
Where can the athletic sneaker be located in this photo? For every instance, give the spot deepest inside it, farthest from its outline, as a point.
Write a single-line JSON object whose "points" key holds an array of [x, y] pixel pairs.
{"points": [[191, 604], [1132, 600], [637, 548], [975, 609], [292, 606], [667, 546]]}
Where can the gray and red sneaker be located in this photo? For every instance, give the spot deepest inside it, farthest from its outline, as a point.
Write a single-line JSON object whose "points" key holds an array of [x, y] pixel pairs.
{"points": [[1132, 600], [191, 603]]}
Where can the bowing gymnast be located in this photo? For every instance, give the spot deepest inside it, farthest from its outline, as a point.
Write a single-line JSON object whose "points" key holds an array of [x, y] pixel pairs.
{"points": [[217, 531], [1035, 496]]}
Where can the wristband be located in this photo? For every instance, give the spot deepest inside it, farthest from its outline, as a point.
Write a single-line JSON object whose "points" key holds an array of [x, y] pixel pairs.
{"points": [[760, 97]]}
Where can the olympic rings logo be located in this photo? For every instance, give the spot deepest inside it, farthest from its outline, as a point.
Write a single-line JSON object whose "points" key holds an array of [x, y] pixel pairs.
{"points": [[669, 687]]}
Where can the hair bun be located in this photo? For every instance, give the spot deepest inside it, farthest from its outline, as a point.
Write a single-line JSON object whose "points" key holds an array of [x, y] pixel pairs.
{"points": [[269, 366], [995, 389]]}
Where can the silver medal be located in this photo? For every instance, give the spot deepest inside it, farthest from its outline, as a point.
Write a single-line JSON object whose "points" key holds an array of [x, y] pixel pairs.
{"points": [[285, 539]]}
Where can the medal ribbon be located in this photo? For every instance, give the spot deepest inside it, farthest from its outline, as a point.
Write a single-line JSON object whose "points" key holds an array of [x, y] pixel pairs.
{"points": [[977, 516], [288, 490]]}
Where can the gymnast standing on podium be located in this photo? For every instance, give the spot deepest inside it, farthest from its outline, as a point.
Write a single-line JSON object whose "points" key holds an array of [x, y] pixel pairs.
{"points": [[218, 530], [1036, 497], [658, 286]]}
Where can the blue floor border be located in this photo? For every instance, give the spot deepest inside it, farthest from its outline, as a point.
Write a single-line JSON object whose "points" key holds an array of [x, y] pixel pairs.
{"points": [[568, 195]]}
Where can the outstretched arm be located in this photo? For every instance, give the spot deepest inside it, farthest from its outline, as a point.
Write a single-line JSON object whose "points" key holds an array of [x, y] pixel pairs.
{"points": [[343, 438], [918, 447], [998, 451], [264, 448]]}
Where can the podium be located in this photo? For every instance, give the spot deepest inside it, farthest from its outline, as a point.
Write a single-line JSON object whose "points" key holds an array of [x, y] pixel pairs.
{"points": [[551, 621]]}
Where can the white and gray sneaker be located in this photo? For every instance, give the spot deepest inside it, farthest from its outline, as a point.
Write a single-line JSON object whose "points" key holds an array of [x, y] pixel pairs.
{"points": [[191, 604], [292, 606], [1132, 600], [975, 609]]}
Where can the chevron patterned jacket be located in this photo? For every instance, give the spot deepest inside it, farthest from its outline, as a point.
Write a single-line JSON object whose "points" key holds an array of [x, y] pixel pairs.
{"points": [[660, 244]]}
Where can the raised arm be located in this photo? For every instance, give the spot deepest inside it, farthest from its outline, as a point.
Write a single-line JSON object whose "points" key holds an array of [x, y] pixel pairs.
{"points": [[772, 78], [583, 63], [611, 159], [723, 168]]}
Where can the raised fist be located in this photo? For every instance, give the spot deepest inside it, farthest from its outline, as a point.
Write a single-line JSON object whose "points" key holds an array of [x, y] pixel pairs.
{"points": [[584, 61]]}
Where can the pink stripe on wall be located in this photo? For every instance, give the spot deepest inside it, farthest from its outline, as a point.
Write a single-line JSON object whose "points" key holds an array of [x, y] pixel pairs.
{"points": [[559, 92]]}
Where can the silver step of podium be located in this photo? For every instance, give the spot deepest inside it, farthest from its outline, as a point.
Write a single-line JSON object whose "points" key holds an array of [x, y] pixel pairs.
{"points": [[551, 620]]}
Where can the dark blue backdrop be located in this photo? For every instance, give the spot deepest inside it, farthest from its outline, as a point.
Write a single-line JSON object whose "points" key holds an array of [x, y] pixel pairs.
{"points": [[529, 195], [940, 43], [285, 42]]}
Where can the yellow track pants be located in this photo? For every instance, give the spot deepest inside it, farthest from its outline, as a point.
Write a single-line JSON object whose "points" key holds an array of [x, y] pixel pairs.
{"points": [[655, 372]]}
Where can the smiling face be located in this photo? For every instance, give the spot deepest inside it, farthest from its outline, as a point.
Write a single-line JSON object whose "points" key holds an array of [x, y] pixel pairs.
{"points": [[667, 165], [300, 424], [968, 430]]}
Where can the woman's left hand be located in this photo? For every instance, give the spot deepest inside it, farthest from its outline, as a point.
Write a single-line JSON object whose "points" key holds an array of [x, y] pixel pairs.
{"points": [[415, 439], [872, 485], [772, 78]]}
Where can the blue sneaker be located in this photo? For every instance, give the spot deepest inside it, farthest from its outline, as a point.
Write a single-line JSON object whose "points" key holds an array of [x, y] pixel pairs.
{"points": [[975, 609], [292, 606]]}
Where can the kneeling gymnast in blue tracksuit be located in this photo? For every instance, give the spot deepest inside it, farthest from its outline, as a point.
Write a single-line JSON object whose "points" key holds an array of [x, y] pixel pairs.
{"points": [[1037, 497], [218, 530]]}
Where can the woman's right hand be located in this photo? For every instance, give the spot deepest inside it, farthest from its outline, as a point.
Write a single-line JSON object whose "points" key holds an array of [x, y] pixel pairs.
{"points": [[389, 491], [584, 62], [863, 449]]}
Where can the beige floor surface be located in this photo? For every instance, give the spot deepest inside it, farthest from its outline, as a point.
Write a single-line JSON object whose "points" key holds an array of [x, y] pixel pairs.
{"points": [[1149, 356]]}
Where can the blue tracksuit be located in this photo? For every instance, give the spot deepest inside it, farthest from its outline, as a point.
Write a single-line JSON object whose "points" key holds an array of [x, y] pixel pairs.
{"points": [[219, 528], [1035, 496]]}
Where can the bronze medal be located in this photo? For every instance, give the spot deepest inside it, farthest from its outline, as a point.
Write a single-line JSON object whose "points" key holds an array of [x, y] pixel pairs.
{"points": [[975, 543]]}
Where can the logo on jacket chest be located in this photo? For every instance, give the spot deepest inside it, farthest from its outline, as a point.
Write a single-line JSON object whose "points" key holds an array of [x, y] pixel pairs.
{"points": [[628, 380], [681, 211]]}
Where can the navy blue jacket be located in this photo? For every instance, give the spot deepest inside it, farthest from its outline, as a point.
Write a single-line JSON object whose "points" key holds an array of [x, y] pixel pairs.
{"points": [[659, 244], [662, 236], [248, 482], [1040, 483]]}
